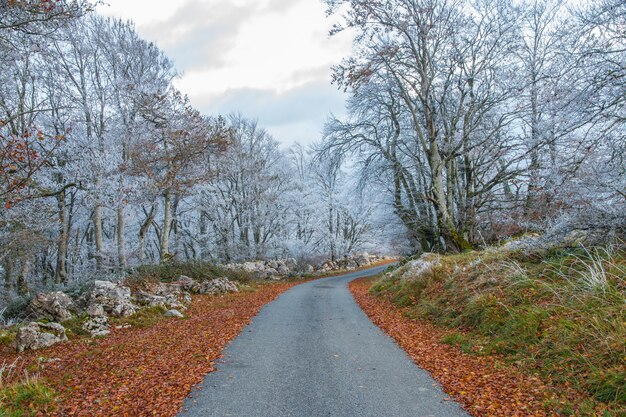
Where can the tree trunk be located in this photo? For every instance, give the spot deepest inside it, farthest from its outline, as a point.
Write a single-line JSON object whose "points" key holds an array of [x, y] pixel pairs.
{"points": [[144, 229], [98, 237], [167, 226], [22, 277], [60, 273], [121, 243], [8, 272]]}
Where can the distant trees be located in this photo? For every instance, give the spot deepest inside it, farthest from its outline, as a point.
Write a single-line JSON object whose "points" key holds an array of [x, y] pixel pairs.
{"points": [[480, 114], [105, 165]]}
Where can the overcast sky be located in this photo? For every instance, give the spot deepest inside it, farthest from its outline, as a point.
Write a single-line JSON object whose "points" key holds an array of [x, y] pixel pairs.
{"points": [[268, 59]]}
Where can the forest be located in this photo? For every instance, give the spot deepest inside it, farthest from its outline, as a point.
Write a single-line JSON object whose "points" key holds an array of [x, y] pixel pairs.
{"points": [[468, 122]]}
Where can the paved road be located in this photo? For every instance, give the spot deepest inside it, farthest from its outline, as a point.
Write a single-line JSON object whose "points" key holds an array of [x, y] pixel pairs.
{"points": [[314, 353]]}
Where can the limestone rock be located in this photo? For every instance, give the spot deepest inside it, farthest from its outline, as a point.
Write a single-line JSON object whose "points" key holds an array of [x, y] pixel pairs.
{"points": [[174, 313], [114, 298], [53, 306], [97, 326], [216, 286], [96, 310], [36, 336]]}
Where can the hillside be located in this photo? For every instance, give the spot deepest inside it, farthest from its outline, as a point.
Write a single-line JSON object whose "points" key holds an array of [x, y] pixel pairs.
{"points": [[557, 314]]}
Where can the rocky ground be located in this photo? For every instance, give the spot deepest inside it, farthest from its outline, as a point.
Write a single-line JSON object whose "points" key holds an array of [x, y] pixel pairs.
{"points": [[103, 300], [278, 269]]}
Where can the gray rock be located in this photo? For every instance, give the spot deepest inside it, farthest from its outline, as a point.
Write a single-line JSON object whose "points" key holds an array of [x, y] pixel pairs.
{"points": [[114, 298], [53, 306], [185, 283], [291, 264], [309, 269], [283, 270], [97, 326], [216, 286], [96, 310], [174, 313], [153, 300], [36, 336]]}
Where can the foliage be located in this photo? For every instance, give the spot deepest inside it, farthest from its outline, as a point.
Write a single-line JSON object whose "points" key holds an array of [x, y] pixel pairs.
{"points": [[198, 270]]}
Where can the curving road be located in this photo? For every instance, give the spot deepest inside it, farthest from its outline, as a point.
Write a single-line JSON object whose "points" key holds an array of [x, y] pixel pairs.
{"points": [[313, 353]]}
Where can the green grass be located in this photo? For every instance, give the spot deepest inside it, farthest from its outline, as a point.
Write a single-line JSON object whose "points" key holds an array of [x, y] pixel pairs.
{"points": [[197, 270], [560, 314], [26, 399], [145, 317], [7, 337]]}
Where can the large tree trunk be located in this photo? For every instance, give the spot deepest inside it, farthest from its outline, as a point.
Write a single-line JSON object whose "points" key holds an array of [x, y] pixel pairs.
{"points": [[60, 273], [167, 226], [121, 243], [8, 272], [98, 237], [144, 229], [22, 277]]}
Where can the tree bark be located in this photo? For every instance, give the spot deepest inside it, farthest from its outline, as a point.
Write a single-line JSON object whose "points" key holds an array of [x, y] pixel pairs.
{"points": [[121, 243], [60, 273], [98, 237], [22, 277], [8, 272], [167, 225]]}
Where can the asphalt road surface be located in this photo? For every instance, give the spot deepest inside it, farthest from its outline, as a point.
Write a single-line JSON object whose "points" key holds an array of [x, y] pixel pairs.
{"points": [[313, 353]]}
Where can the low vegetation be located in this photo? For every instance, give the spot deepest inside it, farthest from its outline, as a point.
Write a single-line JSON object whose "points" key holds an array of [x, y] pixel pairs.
{"points": [[558, 314]]}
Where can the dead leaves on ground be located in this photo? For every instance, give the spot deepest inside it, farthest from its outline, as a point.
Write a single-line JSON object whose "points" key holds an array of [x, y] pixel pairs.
{"points": [[147, 371], [484, 385]]}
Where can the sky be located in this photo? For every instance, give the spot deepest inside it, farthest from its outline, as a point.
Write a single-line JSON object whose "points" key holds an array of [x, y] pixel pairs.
{"points": [[268, 59]]}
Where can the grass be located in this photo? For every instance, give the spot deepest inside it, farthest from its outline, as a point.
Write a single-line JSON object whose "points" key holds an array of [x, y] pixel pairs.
{"points": [[25, 395], [7, 337], [561, 315], [26, 399], [198, 270], [145, 317]]}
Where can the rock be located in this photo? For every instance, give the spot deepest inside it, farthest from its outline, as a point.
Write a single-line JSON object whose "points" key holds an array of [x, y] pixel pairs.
{"points": [[291, 264], [309, 269], [149, 300], [283, 270], [36, 336], [170, 300], [216, 286], [53, 306], [97, 326], [96, 310], [416, 267], [362, 260], [271, 272], [114, 298], [173, 313], [184, 282]]}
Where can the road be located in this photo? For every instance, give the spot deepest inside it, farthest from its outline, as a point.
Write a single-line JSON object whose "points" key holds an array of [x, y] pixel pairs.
{"points": [[313, 353]]}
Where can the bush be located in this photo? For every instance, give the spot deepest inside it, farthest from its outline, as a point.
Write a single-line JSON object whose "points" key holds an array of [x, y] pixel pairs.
{"points": [[200, 271]]}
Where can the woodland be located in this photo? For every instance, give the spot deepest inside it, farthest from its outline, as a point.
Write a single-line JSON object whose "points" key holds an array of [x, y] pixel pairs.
{"points": [[468, 123]]}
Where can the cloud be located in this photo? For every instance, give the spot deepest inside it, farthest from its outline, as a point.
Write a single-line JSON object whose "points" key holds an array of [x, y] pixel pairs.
{"points": [[268, 59], [295, 115]]}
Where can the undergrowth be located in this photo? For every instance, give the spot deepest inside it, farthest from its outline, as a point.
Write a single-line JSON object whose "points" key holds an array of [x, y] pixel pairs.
{"points": [[560, 314], [23, 395], [198, 270]]}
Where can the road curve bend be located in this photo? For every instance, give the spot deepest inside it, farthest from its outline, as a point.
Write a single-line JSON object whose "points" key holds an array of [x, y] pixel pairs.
{"points": [[313, 353]]}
